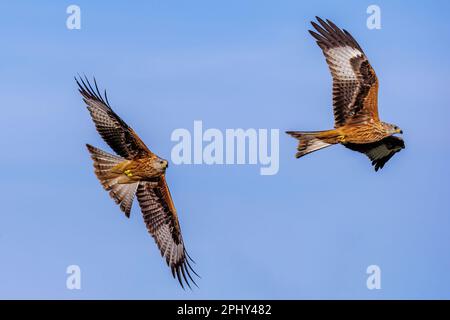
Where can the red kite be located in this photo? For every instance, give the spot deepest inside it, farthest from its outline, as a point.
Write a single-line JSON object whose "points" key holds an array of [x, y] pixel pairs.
{"points": [[357, 125], [136, 171]]}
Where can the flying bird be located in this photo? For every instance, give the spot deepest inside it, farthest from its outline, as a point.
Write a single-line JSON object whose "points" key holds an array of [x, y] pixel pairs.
{"points": [[135, 170], [357, 125]]}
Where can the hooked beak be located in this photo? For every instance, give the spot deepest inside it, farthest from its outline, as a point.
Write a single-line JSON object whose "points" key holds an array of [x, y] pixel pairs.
{"points": [[400, 131]]}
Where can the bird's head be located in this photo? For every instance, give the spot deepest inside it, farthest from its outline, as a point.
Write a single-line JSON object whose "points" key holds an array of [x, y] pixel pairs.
{"points": [[161, 165], [392, 128]]}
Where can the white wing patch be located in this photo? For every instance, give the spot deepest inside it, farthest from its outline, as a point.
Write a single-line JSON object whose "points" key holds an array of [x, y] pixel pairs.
{"points": [[338, 59]]}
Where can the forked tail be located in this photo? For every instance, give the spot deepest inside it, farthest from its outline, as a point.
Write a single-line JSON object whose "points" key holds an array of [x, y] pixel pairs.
{"points": [[310, 141], [122, 193]]}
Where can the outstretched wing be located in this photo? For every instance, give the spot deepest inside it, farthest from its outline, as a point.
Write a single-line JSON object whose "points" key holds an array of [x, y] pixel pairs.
{"points": [[116, 133], [355, 84], [162, 223], [379, 152]]}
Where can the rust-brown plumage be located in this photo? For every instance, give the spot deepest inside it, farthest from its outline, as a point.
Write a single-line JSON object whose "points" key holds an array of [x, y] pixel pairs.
{"points": [[355, 101], [136, 171]]}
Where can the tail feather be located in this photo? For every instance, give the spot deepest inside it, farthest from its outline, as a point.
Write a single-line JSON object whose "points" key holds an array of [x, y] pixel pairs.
{"points": [[122, 193], [309, 141]]}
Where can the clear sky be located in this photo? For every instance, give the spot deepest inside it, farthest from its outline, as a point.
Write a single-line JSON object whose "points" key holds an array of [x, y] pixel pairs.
{"points": [[308, 232]]}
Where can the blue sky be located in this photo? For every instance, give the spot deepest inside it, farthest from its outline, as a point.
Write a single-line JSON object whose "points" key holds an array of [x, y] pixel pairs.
{"points": [[308, 232]]}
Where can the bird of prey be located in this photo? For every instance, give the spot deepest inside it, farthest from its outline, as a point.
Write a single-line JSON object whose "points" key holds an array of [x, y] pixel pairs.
{"points": [[135, 170], [357, 125]]}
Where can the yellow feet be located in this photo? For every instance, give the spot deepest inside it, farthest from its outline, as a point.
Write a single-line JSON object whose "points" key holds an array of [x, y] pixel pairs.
{"points": [[341, 138], [128, 173]]}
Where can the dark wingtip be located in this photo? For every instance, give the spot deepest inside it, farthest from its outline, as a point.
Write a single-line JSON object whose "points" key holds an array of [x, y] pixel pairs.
{"points": [[187, 254], [315, 35], [315, 25], [190, 267], [176, 275], [320, 20], [89, 147], [291, 133], [377, 166], [184, 277], [182, 274], [77, 80], [179, 278], [90, 92]]}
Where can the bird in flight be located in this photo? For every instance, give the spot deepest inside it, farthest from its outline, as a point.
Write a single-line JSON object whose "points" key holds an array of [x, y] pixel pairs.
{"points": [[357, 125], [135, 170]]}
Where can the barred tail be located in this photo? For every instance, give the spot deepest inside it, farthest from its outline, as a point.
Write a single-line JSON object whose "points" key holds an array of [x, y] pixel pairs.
{"points": [[310, 141], [122, 193]]}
